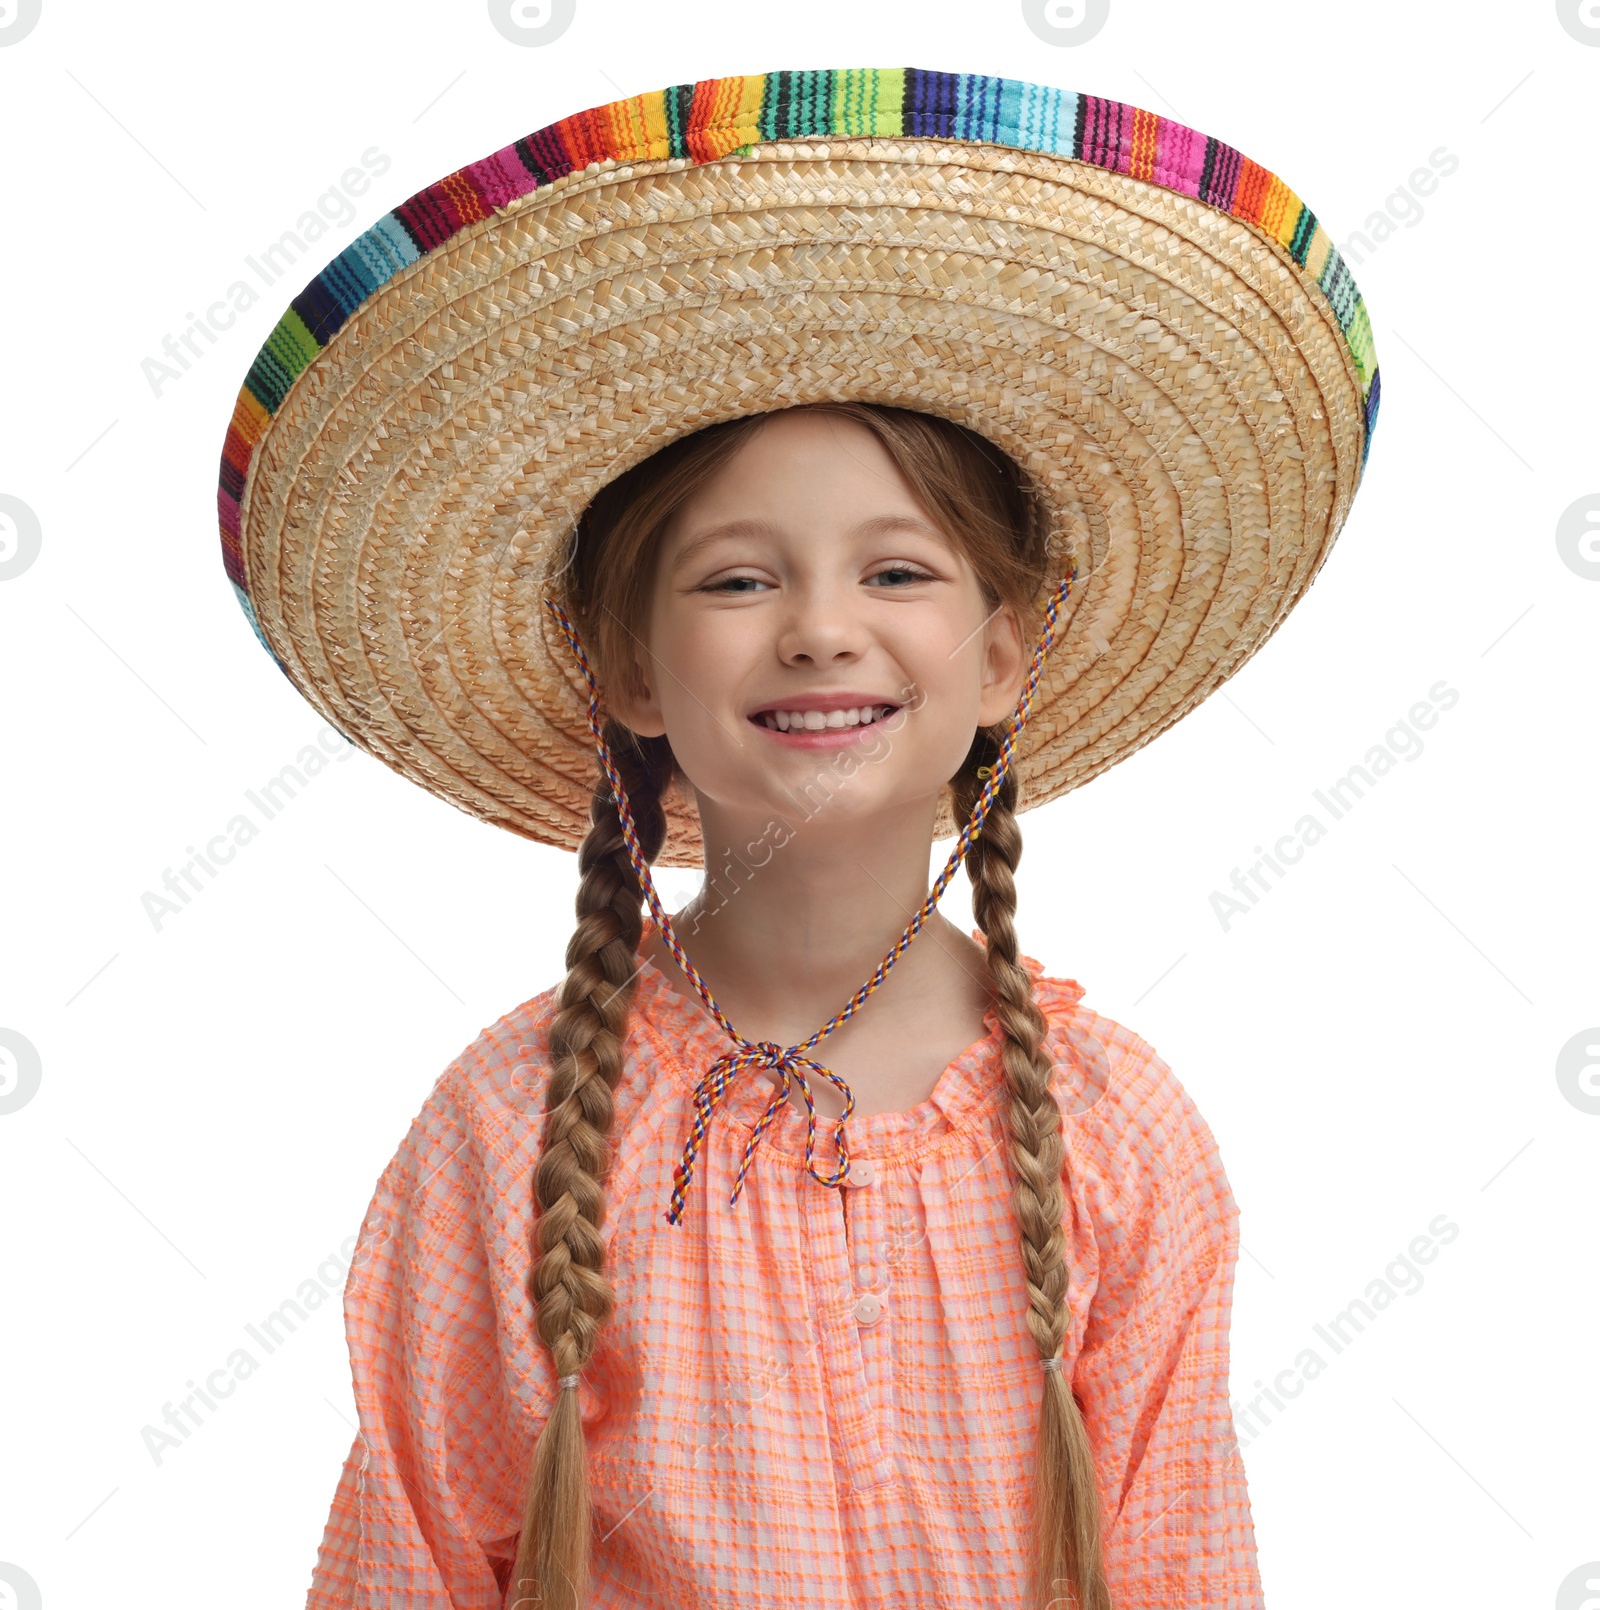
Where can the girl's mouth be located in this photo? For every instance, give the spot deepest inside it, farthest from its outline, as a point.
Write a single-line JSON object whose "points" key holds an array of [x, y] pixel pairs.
{"points": [[820, 720], [818, 729]]}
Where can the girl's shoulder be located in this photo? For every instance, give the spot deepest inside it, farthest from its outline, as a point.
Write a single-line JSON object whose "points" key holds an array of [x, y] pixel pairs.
{"points": [[490, 1101], [1128, 1121], [507, 1066], [476, 1119]]}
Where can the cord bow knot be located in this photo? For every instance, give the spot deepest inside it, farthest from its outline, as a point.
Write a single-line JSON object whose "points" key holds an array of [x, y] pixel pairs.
{"points": [[788, 1061]]}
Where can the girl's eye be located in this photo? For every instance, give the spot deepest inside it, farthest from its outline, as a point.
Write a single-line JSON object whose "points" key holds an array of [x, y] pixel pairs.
{"points": [[899, 576], [734, 584]]}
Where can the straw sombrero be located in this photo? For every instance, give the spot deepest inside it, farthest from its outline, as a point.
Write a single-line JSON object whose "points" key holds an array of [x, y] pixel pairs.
{"points": [[1156, 328]]}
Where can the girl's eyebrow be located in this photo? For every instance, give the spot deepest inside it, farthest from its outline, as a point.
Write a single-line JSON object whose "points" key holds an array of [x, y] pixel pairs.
{"points": [[728, 528], [874, 526]]}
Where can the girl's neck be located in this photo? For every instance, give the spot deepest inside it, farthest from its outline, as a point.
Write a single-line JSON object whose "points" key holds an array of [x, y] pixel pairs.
{"points": [[793, 919]]}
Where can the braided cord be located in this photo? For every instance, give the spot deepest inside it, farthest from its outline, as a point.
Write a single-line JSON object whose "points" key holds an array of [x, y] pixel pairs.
{"points": [[791, 1061]]}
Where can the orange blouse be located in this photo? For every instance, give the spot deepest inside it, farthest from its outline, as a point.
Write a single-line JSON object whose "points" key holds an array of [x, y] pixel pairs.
{"points": [[820, 1397]]}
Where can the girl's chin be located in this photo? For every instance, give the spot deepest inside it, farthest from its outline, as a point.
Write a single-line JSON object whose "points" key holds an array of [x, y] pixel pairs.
{"points": [[822, 795]]}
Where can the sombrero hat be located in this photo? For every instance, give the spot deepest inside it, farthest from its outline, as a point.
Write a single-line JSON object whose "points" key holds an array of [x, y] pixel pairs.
{"points": [[1157, 329]]}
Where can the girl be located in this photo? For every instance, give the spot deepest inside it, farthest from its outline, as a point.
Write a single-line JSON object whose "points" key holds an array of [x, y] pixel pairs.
{"points": [[681, 1289]]}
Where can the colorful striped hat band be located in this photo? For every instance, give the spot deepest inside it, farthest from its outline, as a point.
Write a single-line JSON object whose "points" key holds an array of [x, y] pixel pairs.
{"points": [[792, 1061], [1158, 331]]}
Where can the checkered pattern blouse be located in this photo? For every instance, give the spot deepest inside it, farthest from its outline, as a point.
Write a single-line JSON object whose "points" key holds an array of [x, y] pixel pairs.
{"points": [[816, 1397]]}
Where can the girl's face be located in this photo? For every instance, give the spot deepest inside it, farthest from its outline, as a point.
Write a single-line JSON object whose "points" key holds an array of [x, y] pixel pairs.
{"points": [[814, 641]]}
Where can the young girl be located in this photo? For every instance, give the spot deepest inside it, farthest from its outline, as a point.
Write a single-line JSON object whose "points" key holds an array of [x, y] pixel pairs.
{"points": [[798, 1247]]}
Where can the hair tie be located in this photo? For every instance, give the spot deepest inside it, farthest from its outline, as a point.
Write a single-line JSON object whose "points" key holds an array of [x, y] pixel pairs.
{"points": [[567, 1380], [1051, 1363]]}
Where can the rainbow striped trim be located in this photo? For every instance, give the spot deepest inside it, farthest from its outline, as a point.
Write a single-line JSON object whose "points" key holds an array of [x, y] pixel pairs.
{"points": [[719, 117]]}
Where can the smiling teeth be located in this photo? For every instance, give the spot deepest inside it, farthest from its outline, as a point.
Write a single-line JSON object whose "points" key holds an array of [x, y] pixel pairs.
{"points": [[818, 720]]}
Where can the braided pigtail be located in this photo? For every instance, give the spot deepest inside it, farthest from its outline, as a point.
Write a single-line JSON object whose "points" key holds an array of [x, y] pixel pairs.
{"points": [[1068, 1569], [567, 1281]]}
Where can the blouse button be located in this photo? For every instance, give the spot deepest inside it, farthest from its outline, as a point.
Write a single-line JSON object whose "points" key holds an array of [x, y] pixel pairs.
{"points": [[868, 1308], [861, 1172]]}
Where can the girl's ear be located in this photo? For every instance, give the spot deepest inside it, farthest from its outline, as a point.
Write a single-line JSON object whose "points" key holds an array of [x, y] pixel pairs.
{"points": [[1005, 664], [633, 702]]}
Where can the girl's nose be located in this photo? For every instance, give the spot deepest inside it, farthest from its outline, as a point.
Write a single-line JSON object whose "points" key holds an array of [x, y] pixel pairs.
{"points": [[820, 629]]}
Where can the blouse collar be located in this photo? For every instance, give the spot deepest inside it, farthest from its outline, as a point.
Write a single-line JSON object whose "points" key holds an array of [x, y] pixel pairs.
{"points": [[968, 1092]]}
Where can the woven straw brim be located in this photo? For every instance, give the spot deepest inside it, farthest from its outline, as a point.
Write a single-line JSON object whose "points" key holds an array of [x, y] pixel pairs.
{"points": [[1177, 384]]}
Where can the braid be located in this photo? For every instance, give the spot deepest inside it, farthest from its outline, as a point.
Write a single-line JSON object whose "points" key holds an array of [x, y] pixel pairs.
{"points": [[567, 1280], [1066, 1505]]}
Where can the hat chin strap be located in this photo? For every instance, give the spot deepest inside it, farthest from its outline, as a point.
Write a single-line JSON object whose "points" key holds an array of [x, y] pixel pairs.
{"points": [[792, 1061]]}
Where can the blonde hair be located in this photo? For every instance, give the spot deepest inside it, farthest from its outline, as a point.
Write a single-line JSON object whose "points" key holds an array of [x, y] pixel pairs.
{"points": [[982, 499]]}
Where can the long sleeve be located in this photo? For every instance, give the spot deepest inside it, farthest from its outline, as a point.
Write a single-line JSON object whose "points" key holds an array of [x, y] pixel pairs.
{"points": [[1155, 1394], [424, 1516]]}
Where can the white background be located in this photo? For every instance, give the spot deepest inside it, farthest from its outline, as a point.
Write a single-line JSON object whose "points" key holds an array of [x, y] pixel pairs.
{"points": [[1373, 1044]]}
